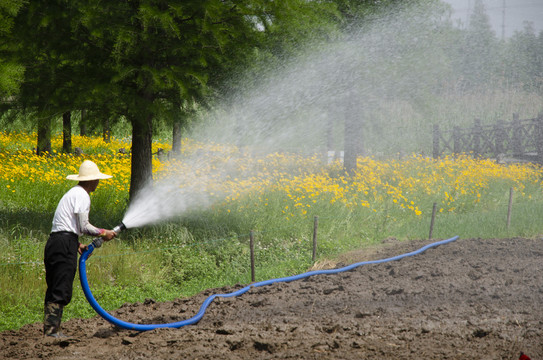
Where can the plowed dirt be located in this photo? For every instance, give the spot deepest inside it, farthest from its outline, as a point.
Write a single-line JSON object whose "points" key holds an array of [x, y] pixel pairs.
{"points": [[469, 299]]}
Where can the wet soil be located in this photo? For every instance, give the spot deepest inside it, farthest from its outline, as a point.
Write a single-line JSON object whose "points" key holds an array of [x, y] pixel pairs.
{"points": [[469, 299]]}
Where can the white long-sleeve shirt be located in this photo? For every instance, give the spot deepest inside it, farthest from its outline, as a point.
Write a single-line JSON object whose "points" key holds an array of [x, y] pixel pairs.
{"points": [[72, 213]]}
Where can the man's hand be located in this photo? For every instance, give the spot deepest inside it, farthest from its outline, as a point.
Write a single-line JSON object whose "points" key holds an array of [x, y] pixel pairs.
{"points": [[82, 248], [108, 235]]}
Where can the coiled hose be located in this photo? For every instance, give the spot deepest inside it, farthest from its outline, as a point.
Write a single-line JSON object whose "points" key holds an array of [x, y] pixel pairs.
{"points": [[205, 304]]}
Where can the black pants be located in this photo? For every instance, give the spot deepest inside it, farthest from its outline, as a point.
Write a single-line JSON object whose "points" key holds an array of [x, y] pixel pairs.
{"points": [[60, 260]]}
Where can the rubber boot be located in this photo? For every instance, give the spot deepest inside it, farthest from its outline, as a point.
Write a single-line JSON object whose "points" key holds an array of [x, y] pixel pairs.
{"points": [[52, 319]]}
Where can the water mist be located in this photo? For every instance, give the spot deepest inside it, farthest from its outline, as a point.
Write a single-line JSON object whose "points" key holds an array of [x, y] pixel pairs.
{"points": [[370, 86]]}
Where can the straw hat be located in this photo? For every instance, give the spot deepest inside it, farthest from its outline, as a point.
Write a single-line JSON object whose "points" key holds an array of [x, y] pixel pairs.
{"points": [[88, 171]]}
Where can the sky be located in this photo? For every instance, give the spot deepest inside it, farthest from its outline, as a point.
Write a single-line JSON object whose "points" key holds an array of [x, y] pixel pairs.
{"points": [[516, 12]]}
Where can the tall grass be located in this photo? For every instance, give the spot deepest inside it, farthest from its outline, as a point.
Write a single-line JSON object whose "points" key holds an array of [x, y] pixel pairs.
{"points": [[209, 248]]}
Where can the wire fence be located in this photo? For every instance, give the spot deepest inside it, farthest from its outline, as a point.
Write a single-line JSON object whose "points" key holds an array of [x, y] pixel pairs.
{"points": [[251, 236]]}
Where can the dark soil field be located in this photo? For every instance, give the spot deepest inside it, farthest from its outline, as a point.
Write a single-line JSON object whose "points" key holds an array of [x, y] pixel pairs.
{"points": [[468, 299]]}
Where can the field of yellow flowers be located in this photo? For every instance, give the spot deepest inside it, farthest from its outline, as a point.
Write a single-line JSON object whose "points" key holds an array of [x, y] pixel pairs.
{"points": [[304, 185], [278, 195]]}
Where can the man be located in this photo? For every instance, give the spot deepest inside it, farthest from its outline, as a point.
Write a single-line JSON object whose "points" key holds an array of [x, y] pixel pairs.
{"points": [[70, 221]]}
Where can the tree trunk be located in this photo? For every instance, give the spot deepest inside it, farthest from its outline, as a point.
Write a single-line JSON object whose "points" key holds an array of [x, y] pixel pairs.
{"points": [[353, 138], [141, 163], [176, 138], [44, 135], [83, 123], [106, 133], [67, 132]]}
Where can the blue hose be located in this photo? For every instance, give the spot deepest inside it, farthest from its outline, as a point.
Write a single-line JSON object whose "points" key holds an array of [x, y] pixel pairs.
{"points": [[205, 304]]}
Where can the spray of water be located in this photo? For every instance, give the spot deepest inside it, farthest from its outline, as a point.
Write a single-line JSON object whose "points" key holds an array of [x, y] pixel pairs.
{"points": [[181, 190], [365, 80]]}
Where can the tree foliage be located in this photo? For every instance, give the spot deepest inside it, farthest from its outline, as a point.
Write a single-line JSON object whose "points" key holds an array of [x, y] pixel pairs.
{"points": [[480, 48], [523, 59], [11, 71], [152, 61], [157, 57]]}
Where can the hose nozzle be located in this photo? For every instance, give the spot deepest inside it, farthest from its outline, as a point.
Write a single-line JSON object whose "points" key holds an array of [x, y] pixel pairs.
{"points": [[97, 242], [119, 228]]}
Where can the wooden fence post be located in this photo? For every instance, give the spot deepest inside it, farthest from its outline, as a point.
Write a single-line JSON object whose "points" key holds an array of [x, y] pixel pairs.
{"points": [[252, 250], [539, 137], [509, 207], [517, 136], [457, 147], [477, 132], [500, 138], [315, 227], [434, 208]]}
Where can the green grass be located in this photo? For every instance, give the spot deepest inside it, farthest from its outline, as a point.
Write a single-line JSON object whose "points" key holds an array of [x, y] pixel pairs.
{"points": [[210, 249]]}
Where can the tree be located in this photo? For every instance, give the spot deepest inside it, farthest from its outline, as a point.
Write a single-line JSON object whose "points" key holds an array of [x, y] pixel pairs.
{"points": [[148, 60], [479, 53], [394, 54], [156, 52], [44, 46], [281, 30], [538, 64], [11, 72], [137, 59], [523, 59]]}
